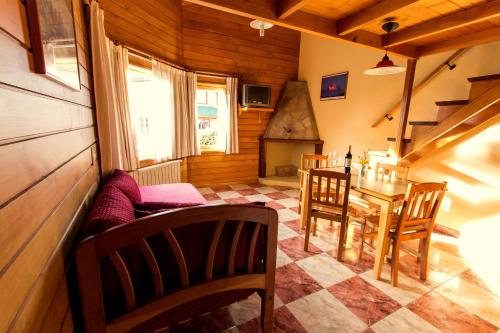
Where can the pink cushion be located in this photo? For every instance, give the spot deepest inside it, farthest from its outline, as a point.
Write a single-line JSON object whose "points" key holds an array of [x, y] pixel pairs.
{"points": [[111, 208], [125, 183], [171, 196]]}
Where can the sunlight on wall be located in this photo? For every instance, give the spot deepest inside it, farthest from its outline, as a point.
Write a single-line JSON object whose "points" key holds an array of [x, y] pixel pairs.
{"points": [[479, 246]]}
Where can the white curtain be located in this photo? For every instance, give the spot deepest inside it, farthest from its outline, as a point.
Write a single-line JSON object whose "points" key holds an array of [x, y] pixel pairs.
{"points": [[162, 125], [179, 90], [232, 145], [104, 93], [126, 134]]}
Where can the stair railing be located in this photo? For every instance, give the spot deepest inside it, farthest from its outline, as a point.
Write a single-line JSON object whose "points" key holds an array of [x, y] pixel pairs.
{"points": [[425, 81]]}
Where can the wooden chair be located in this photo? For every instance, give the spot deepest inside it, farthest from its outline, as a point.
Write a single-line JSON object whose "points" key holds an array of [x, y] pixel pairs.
{"points": [[369, 216], [309, 162], [416, 221], [329, 200], [400, 172]]}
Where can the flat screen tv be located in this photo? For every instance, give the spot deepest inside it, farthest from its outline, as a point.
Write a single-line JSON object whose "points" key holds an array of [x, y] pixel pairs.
{"points": [[256, 95]]}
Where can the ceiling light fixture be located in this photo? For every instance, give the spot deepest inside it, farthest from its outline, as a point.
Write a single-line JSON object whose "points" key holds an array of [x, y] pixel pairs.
{"points": [[386, 66], [262, 26]]}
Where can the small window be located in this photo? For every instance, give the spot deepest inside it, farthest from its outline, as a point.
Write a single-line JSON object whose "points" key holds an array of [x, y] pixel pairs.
{"points": [[212, 110]]}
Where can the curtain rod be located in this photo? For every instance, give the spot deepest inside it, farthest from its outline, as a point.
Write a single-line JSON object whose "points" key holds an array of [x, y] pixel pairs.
{"points": [[146, 56]]}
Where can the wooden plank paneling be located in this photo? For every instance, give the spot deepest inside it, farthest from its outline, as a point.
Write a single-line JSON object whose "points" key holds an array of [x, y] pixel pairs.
{"points": [[151, 26], [48, 176], [13, 20], [220, 42]]}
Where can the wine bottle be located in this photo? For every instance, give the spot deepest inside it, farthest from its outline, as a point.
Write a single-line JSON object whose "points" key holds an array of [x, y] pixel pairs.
{"points": [[348, 160]]}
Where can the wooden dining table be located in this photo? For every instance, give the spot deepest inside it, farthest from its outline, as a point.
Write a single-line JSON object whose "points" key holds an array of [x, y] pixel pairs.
{"points": [[381, 190]]}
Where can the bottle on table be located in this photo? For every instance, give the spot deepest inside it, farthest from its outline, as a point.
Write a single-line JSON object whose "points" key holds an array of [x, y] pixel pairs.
{"points": [[348, 161]]}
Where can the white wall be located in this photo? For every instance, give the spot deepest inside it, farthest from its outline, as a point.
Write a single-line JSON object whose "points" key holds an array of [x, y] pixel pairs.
{"points": [[348, 121], [473, 196]]}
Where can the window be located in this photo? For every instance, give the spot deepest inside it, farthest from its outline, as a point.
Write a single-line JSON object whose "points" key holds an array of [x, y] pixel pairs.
{"points": [[151, 121], [212, 109]]}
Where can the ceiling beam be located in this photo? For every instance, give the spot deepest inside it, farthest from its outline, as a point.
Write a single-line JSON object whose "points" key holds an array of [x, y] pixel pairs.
{"points": [[288, 7], [455, 20], [476, 38], [304, 22], [372, 14]]}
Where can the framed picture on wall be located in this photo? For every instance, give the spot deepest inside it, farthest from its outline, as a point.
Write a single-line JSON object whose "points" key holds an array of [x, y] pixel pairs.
{"points": [[53, 41], [334, 86]]}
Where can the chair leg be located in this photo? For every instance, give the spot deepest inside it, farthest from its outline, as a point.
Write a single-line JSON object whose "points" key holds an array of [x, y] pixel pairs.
{"points": [[395, 262], [315, 229], [308, 231], [300, 203], [342, 239], [362, 236], [266, 311], [424, 255]]}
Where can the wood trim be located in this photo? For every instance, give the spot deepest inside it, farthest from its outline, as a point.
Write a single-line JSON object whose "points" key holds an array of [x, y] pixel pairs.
{"points": [[213, 250], [153, 267], [288, 7], [179, 256], [371, 14], [125, 279], [304, 22], [476, 38], [454, 20], [234, 246], [405, 106]]}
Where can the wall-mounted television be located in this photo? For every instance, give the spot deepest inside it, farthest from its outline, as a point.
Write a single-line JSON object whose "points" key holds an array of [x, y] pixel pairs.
{"points": [[256, 95]]}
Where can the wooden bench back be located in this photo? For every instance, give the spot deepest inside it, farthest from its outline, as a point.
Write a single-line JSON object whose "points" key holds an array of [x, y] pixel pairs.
{"points": [[93, 250]]}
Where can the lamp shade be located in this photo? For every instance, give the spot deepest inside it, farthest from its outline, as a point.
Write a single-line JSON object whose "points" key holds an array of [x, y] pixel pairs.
{"points": [[385, 67]]}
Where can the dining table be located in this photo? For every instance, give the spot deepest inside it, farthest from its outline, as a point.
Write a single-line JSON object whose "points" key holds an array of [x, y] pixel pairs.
{"points": [[381, 190]]}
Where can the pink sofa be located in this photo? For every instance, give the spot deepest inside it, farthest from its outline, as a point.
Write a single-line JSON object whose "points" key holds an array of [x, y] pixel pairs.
{"points": [[149, 259]]}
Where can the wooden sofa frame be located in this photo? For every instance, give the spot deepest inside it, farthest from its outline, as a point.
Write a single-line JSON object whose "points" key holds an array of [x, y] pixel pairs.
{"points": [[93, 249]]}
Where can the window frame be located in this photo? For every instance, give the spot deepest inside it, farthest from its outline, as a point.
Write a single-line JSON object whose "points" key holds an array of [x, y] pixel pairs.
{"points": [[208, 84]]}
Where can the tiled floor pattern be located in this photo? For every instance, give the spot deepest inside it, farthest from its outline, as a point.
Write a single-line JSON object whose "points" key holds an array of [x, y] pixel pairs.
{"points": [[317, 293]]}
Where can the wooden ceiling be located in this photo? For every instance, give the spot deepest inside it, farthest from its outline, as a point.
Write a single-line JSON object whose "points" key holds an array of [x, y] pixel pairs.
{"points": [[426, 26]]}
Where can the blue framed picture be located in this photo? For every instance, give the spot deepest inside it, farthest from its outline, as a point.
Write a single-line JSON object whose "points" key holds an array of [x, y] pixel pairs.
{"points": [[334, 86]]}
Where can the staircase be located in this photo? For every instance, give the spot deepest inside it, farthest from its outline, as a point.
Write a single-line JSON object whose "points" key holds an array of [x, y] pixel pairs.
{"points": [[454, 118]]}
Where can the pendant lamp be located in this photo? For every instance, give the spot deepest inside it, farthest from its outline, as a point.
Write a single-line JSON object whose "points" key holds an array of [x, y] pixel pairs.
{"points": [[386, 66]]}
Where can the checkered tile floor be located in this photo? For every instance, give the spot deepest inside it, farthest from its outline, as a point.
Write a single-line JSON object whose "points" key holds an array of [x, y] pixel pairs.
{"points": [[317, 293]]}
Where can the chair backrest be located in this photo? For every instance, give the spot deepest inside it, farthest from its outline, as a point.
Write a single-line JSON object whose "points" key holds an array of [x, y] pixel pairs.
{"points": [[400, 172], [420, 207], [329, 189], [314, 162]]}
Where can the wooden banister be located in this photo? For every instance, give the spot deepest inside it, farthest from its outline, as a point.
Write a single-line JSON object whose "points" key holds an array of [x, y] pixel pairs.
{"points": [[425, 81]]}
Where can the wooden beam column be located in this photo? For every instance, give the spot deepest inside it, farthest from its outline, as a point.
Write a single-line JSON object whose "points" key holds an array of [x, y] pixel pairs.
{"points": [[405, 106]]}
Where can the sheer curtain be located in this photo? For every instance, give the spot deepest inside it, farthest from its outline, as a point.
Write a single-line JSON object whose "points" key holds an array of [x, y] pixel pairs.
{"points": [[110, 64], [104, 93], [232, 145], [179, 103], [126, 134], [161, 127]]}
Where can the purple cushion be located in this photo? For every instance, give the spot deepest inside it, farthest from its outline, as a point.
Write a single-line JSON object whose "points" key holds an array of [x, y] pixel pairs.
{"points": [[125, 183], [170, 196], [111, 208]]}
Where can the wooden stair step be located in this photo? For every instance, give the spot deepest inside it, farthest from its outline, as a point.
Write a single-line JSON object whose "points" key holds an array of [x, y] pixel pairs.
{"points": [[453, 103], [406, 140], [484, 78], [423, 123]]}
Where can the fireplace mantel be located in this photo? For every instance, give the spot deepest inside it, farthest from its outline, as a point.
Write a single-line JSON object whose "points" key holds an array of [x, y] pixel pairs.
{"points": [[318, 149]]}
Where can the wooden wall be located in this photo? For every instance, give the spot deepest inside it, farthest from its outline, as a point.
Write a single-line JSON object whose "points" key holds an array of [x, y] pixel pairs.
{"points": [[219, 42], [149, 25], [48, 174]]}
